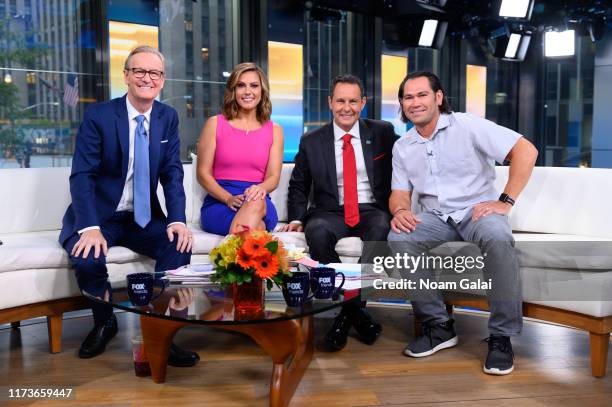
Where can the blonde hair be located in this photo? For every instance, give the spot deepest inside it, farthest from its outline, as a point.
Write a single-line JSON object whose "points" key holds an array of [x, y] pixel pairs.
{"points": [[230, 106], [148, 49]]}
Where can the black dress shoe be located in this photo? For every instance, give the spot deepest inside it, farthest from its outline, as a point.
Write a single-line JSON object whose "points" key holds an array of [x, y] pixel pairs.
{"points": [[337, 335], [368, 330], [178, 357], [96, 340]]}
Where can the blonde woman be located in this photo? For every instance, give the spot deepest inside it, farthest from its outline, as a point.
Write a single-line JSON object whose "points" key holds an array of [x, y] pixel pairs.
{"points": [[240, 156]]}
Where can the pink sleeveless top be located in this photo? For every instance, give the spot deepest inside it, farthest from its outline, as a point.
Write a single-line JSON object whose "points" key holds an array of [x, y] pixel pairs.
{"points": [[240, 156]]}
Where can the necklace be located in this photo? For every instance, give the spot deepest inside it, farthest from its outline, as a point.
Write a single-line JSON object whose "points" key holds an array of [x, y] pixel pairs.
{"points": [[247, 127]]}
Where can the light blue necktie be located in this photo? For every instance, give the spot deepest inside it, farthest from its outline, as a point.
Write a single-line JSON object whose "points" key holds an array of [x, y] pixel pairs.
{"points": [[142, 190]]}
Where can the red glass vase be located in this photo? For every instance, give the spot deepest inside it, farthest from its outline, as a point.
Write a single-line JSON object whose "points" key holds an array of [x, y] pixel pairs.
{"points": [[248, 297]]}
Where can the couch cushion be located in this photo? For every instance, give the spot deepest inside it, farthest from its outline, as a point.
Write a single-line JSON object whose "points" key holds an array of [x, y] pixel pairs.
{"points": [[204, 242], [40, 250], [563, 200], [30, 286], [585, 292], [35, 199], [548, 251]]}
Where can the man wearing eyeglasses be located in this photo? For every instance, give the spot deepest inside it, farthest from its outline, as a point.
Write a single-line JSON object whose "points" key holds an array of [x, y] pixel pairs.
{"points": [[123, 149]]}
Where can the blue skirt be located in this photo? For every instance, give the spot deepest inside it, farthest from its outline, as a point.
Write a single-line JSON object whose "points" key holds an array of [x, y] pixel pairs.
{"points": [[216, 217]]}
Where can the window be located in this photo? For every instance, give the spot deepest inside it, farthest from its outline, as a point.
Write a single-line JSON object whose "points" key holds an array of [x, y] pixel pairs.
{"points": [[61, 43]]}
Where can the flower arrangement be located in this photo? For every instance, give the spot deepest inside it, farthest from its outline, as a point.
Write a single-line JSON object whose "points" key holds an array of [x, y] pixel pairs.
{"points": [[249, 254]]}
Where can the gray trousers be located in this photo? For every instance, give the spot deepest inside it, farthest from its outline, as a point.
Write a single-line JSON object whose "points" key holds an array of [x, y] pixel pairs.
{"points": [[493, 235]]}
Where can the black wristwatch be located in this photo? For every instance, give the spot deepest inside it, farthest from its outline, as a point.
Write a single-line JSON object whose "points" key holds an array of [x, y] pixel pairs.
{"points": [[506, 198]]}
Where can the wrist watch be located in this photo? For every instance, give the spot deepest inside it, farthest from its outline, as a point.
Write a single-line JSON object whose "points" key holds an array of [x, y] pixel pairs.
{"points": [[506, 198]]}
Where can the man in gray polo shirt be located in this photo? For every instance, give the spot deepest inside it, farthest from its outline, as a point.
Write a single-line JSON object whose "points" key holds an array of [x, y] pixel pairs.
{"points": [[449, 160]]}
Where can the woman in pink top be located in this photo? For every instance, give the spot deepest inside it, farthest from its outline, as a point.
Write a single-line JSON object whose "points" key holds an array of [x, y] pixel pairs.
{"points": [[240, 156]]}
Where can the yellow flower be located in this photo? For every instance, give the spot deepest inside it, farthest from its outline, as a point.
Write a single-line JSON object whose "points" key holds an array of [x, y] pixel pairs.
{"points": [[226, 251]]}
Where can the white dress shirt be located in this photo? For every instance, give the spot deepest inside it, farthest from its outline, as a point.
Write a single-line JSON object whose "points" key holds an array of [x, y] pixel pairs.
{"points": [[126, 203], [364, 191]]}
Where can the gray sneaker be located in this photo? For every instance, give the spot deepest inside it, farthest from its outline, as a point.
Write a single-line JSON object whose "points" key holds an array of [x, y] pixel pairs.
{"points": [[436, 336], [500, 359]]}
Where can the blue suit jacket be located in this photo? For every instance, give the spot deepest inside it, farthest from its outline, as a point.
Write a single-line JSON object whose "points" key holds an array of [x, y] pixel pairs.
{"points": [[100, 163]]}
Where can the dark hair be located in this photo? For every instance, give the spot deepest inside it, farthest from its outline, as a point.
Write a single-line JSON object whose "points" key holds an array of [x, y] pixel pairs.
{"points": [[345, 78], [434, 83]]}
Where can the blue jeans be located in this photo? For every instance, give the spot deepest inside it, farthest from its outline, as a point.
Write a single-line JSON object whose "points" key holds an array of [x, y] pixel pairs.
{"points": [[493, 235]]}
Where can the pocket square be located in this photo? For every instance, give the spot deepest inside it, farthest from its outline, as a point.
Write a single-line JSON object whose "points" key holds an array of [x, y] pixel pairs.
{"points": [[164, 141], [378, 157]]}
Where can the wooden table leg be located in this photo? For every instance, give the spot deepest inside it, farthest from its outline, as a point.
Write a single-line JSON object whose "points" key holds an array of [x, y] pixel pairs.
{"points": [[157, 334], [290, 344]]}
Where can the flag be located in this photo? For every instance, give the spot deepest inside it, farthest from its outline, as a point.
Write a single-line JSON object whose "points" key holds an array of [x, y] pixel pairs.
{"points": [[71, 90]]}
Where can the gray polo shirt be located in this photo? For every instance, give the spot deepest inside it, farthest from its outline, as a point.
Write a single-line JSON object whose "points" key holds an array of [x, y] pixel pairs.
{"points": [[455, 168]]}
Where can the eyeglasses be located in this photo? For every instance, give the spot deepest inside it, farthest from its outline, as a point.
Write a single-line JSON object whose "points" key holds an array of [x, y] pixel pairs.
{"points": [[140, 73]]}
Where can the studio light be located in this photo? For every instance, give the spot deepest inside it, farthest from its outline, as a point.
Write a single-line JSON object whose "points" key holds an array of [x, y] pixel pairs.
{"points": [[512, 47], [513, 44], [509, 42], [433, 5], [432, 33], [597, 29], [428, 33], [559, 43], [516, 8]]}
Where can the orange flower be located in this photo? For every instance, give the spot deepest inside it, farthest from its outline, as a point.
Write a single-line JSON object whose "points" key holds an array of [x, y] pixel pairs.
{"points": [[255, 246], [245, 260], [283, 260], [266, 266]]}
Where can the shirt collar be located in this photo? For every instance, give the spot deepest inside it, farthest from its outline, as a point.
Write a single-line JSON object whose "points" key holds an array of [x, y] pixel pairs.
{"points": [[133, 113], [338, 132], [414, 136]]}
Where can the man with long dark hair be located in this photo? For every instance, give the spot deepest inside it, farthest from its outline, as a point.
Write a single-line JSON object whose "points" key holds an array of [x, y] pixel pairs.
{"points": [[448, 159]]}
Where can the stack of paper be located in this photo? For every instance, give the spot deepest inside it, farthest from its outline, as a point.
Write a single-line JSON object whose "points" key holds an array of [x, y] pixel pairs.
{"points": [[191, 274]]}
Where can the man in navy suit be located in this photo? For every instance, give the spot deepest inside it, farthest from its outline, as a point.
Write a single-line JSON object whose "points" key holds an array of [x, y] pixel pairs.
{"points": [[124, 148]]}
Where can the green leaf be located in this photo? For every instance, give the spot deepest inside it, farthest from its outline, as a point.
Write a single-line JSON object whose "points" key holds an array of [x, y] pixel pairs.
{"points": [[272, 246], [247, 278], [231, 277], [269, 284]]}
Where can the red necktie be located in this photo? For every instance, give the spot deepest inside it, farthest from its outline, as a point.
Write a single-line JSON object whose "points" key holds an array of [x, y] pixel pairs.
{"points": [[349, 169]]}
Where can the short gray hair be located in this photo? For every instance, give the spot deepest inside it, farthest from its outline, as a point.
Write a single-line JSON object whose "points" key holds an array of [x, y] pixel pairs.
{"points": [[148, 49]]}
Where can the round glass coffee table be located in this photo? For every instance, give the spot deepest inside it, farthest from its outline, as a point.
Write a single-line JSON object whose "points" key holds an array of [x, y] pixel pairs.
{"points": [[284, 333]]}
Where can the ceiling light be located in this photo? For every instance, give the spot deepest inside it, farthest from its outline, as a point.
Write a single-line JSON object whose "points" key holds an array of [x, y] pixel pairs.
{"points": [[516, 8], [428, 33], [513, 44], [559, 44], [509, 44]]}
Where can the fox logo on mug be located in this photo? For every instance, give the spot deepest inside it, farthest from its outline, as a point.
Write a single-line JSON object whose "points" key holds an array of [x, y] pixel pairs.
{"points": [[138, 286]]}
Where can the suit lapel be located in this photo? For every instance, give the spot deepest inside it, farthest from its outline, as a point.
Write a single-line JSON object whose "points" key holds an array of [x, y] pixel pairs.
{"points": [[123, 133], [155, 136], [329, 156], [367, 138]]}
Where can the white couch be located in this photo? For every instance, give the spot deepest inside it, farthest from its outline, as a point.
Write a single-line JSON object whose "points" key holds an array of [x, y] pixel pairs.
{"points": [[559, 204]]}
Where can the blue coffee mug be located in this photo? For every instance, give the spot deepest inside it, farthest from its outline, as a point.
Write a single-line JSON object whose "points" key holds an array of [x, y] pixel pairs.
{"points": [[296, 287], [140, 288], [323, 281]]}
